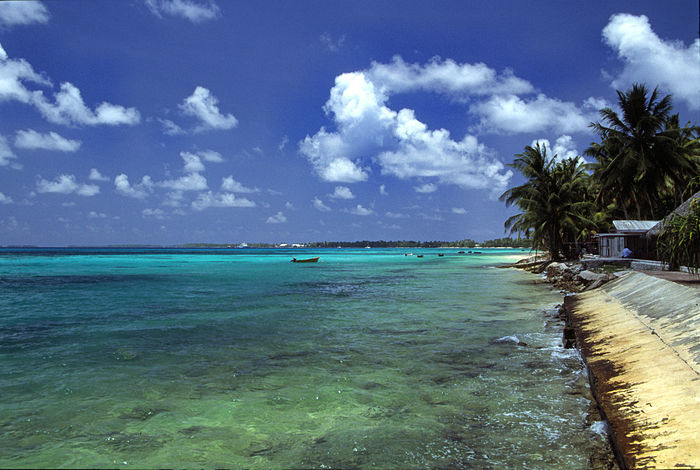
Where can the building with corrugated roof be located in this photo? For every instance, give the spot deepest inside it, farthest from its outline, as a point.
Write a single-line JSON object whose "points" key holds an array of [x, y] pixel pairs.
{"points": [[630, 234]]}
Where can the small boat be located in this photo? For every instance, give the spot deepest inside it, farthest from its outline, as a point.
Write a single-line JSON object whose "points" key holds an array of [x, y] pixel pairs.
{"points": [[420, 256], [440, 254], [308, 260]]}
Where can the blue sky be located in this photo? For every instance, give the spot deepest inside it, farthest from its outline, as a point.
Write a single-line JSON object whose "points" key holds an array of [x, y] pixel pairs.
{"points": [[176, 121]]}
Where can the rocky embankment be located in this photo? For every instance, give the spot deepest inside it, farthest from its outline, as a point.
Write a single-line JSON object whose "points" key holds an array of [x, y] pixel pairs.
{"points": [[570, 276]]}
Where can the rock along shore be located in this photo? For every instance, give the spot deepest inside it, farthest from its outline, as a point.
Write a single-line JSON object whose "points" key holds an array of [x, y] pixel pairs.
{"points": [[640, 339]]}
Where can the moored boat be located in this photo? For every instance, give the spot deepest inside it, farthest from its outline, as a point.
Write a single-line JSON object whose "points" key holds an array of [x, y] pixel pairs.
{"points": [[308, 260]]}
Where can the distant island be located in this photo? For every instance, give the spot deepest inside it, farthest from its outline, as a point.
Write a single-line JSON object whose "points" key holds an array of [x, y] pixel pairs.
{"points": [[466, 243]]}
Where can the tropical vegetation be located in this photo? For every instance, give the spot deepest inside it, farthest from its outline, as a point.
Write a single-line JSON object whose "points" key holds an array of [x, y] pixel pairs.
{"points": [[645, 164], [679, 240]]}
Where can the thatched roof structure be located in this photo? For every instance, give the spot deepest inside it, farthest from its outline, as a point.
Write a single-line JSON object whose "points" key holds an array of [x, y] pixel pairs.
{"points": [[683, 209]]}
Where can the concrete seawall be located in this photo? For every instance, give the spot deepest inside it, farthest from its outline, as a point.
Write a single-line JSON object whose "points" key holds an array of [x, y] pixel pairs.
{"points": [[640, 338]]}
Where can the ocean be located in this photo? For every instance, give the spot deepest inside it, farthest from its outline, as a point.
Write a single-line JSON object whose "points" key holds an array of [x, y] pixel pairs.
{"points": [[239, 358]]}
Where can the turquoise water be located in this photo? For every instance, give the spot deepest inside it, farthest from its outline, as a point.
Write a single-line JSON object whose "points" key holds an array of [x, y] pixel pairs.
{"points": [[239, 358]]}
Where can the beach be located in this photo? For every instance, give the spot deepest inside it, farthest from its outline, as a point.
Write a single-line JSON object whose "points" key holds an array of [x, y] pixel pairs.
{"points": [[239, 358]]}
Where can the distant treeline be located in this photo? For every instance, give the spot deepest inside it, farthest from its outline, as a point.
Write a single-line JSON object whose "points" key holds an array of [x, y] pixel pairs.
{"points": [[467, 243]]}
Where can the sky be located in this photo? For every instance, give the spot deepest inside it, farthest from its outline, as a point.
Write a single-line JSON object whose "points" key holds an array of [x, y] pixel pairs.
{"points": [[181, 121]]}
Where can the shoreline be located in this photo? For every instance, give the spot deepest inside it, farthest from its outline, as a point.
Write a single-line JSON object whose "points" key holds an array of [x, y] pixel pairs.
{"points": [[633, 331]]}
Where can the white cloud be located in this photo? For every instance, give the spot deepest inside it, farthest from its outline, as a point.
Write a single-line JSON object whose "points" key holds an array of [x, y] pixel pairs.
{"points": [[359, 210], [209, 199], [319, 205], [382, 190], [289, 206], [210, 156], [188, 182], [426, 188], [66, 184], [231, 185], [95, 175], [333, 45], [137, 191], [459, 210], [401, 145], [5, 199], [155, 213], [513, 114], [394, 215], [446, 76], [204, 106], [278, 218], [193, 164], [174, 199], [194, 11], [564, 147], [22, 13], [671, 65], [170, 128], [69, 108], [6, 153], [14, 73], [31, 139], [97, 215], [342, 192], [283, 143]]}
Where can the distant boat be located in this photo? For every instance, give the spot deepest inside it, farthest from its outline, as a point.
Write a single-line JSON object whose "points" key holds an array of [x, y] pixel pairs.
{"points": [[460, 252], [308, 260], [420, 256], [440, 254]]}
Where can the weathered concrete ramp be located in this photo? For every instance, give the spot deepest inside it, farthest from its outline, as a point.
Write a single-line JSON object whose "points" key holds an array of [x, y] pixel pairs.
{"points": [[640, 337]]}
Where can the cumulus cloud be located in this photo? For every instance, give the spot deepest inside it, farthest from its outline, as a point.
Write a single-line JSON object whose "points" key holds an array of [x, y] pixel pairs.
{"points": [[426, 188], [564, 147], [210, 156], [382, 190], [278, 218], [194, 11], [209, 199], [513, 114], [97, 215], [342, 192], [319, 205], [95, 175], [402, 145], [6, 154], [193, 164], [359, 210], [137, 191], [446, 76], [459, 210], [66, 184], [204, 106], [67, 108], [32, 140], [671, 65], [155, 213], [22, 13], [5, 199], [231, 185], [188, 182]]}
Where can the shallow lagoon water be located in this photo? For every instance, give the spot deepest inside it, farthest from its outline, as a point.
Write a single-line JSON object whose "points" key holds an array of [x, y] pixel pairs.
{"points": [[239, 358]]}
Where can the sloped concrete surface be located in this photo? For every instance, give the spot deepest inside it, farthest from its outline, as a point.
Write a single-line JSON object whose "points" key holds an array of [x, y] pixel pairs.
{"points": [[640, 337]]}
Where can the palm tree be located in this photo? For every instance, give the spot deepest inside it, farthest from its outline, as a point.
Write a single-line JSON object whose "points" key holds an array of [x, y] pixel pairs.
{"points": [[640, 159], [553, 202]]}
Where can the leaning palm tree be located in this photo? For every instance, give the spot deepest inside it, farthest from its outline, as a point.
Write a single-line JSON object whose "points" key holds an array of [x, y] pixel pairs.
{"points": [[553, 203]]}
